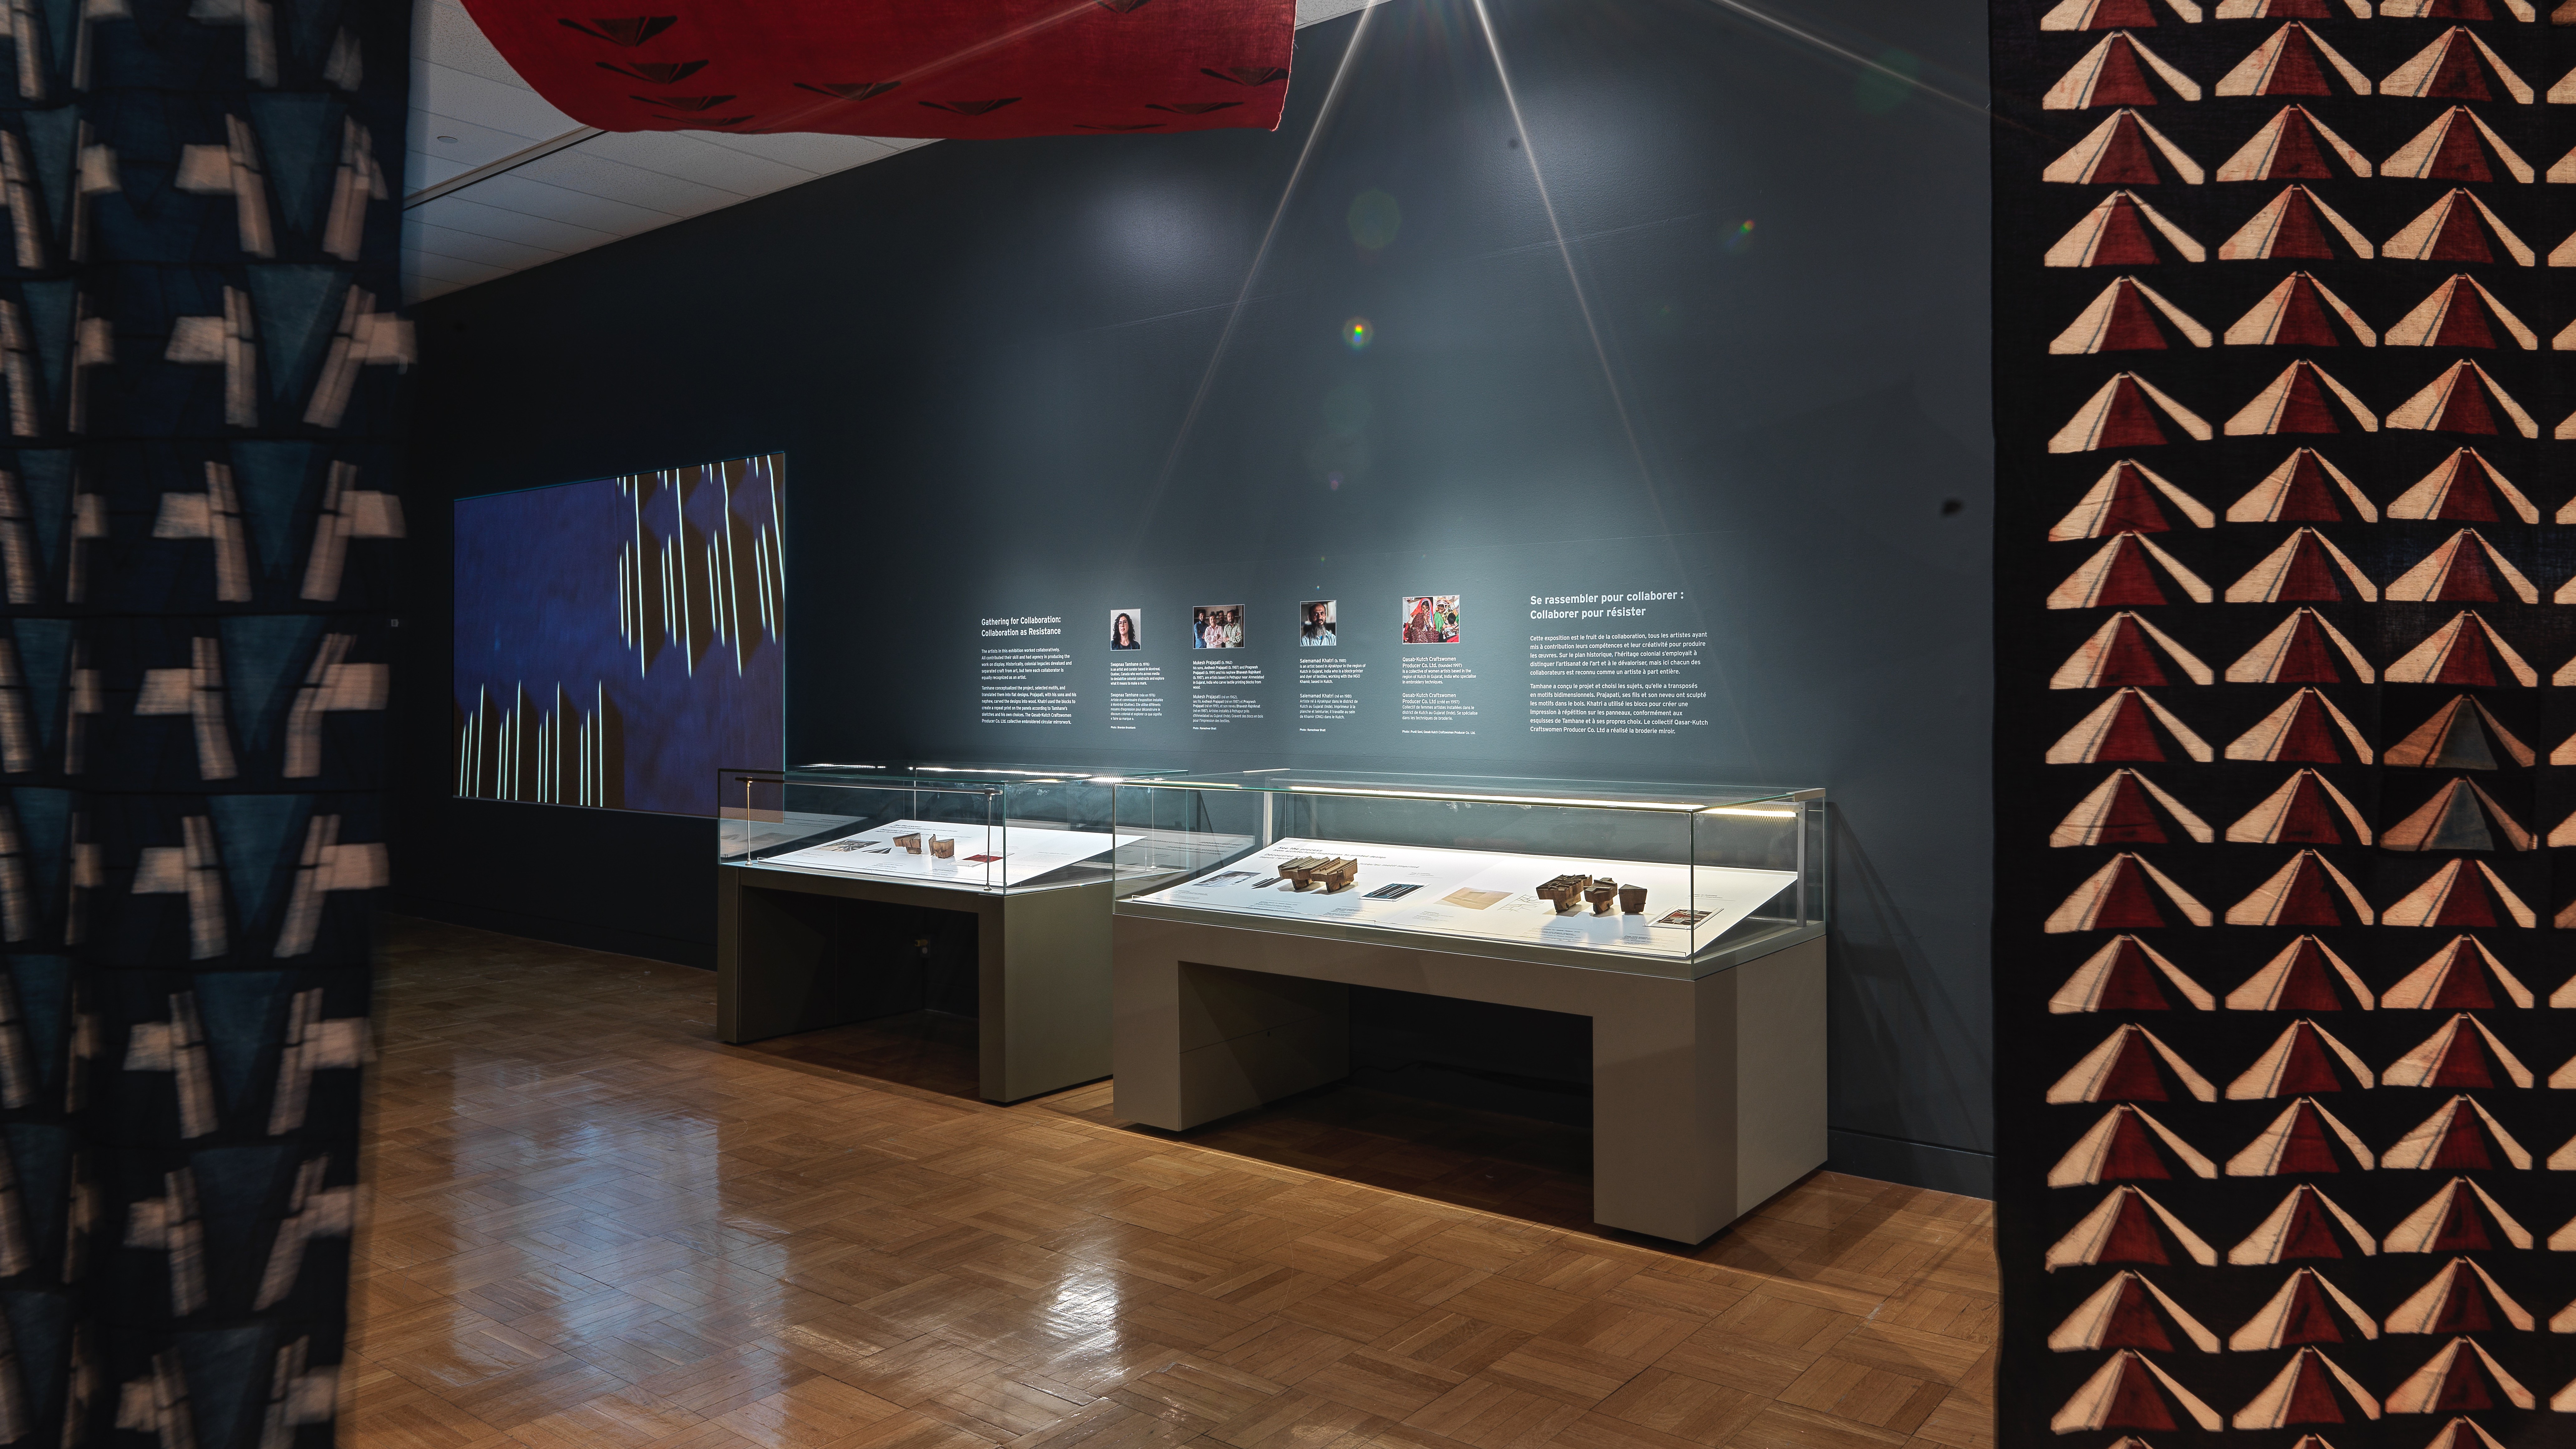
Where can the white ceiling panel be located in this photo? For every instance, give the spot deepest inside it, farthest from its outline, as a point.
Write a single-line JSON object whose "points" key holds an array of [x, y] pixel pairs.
{"points": [[513, 192], [678, 153], [812, 152], [444, 32], [579, 168], [421, 170], [468, 142], [517, 183], [498, 180], [447, 272], [460, 212], [434, 240], [497, 105]]}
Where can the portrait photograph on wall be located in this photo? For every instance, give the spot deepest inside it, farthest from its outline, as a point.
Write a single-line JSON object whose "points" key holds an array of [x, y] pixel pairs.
{"points": [[1431, 619], [1317, 620], [1217, 626], [620, 640], [1126, 628]]}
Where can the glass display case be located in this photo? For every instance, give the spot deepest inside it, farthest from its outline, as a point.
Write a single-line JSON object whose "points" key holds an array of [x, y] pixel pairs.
{"points": [[993, 829], [1660, 879]]}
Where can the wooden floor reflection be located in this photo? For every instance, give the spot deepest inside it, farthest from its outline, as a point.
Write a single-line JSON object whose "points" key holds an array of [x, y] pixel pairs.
{"points": [[593, 1225]]}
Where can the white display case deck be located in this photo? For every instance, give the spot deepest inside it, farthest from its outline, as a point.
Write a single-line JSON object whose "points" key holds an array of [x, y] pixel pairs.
{"points": [[1686, 879]]}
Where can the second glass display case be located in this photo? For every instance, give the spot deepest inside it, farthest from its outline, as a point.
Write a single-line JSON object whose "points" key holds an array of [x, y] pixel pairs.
{"points": [[1661, 879]]}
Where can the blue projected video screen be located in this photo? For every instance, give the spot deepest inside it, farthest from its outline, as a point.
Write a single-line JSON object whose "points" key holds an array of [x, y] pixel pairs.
{"points": [[619, 641]]}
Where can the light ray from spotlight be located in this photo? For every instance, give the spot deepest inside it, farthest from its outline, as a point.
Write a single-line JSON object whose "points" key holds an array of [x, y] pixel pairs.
{"points": [[1565, 254], [1804, 36], [1600, 351], [1243, 294]]}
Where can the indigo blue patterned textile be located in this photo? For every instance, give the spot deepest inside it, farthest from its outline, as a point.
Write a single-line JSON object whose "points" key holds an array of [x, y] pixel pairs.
{"points": [[199, 374]]}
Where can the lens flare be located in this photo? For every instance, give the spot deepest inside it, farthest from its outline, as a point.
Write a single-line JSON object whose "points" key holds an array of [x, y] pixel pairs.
{"points": [[1347, 409], [1357, 334], [1740, 240], [1887, 84], [1374, 218]]}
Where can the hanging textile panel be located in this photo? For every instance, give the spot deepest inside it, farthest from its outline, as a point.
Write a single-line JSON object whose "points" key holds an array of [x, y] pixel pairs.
{"points": [[989, 69], [200, 361], [2286, 928]]}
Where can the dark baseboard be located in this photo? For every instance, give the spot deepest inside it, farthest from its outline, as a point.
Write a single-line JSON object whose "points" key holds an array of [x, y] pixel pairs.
{"points": [[1915, 1164], [588, 935]]}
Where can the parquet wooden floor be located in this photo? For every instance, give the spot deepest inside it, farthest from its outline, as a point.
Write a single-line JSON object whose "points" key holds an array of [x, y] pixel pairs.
{"points": [[1535, 1171], [591, 1224]]}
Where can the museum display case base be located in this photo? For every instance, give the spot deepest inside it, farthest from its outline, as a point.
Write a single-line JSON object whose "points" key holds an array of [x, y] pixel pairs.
{"points": [[1708, 1094], [1042, 969]]}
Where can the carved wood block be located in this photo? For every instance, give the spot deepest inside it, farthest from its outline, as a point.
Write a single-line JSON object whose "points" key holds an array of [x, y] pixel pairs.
{"points": [[1566, 891]]}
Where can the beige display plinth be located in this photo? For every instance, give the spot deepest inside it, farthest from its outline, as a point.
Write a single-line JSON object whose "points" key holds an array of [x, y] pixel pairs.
{"points": [[1708, 1095], [1042, 977]]}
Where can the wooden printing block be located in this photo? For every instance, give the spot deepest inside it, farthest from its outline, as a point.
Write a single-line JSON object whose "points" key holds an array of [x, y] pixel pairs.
{"points": [[1632, 899], [1566, 891], [1602, 894], [944, 847], [1300, 873], [910, 843], [1338, 875]]}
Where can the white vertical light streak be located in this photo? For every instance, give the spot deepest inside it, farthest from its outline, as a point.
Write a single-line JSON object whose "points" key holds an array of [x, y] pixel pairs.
{"points": [[1234, 315], [1565, 253], [732, 578]]}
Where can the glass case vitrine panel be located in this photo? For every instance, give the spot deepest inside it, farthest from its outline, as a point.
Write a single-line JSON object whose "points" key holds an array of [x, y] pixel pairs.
{"points": [[1624, 875], [964, 827]]}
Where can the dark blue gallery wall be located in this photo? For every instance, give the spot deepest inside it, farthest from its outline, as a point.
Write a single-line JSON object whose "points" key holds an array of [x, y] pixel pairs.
{"points": [[1007, 370]]}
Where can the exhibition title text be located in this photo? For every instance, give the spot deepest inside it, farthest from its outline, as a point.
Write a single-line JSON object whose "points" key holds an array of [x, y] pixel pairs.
{"points": [[1025, 624], [1610, 605]]}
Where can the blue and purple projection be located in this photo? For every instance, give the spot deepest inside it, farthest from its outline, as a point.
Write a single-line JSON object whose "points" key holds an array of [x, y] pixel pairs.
{"points": [[619, 641]]}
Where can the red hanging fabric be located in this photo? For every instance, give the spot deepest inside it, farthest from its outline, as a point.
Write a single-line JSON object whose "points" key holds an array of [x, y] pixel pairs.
{"points": [[989, 68]]}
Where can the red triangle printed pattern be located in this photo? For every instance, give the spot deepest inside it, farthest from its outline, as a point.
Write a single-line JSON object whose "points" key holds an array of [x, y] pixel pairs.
{"points": [[2351, 213]]}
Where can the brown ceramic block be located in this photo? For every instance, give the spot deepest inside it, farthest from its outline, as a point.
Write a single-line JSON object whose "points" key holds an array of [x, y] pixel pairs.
{"points": [[911, 844], [1632, 900], [943, 847]]}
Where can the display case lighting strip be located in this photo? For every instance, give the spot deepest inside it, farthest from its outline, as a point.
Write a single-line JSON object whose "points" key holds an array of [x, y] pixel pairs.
{"points": [[1496, 799], [1739, 810]]}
